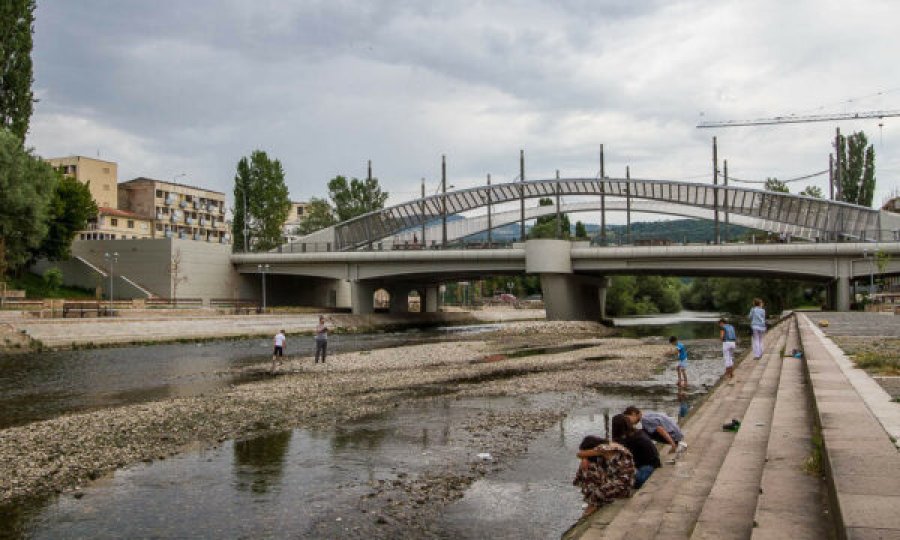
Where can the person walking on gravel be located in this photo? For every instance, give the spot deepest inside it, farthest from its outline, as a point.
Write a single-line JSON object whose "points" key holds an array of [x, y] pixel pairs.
{"points": [[278, 352], [758, 327], [321, 339]]}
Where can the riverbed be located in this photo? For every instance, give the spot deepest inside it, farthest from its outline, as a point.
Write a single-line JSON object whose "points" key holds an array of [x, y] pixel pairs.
{"points": [[472, 437]]}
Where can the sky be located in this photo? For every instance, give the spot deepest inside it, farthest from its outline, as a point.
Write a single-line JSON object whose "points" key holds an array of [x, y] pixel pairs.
{"points": [[170, 88]]}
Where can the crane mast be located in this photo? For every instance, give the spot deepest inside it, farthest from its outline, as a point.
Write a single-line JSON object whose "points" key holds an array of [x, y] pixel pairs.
{"points": [[799, 119]]}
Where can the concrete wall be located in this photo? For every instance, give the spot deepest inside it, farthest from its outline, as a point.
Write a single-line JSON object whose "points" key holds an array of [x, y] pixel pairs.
{"points": [[148, 263]]}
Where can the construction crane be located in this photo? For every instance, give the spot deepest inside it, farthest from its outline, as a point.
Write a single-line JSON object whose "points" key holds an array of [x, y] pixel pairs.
{"points": [[799, 119]]}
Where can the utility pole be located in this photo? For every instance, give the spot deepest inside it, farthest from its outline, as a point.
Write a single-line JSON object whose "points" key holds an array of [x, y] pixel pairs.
{"points": [[837, 181], [368, 182], [628, 204], [521, 195], [489, 195], [602, 199], [715, 189], [422, 210], [558, 221], [444, 201], [831, 177], [725, 198]]}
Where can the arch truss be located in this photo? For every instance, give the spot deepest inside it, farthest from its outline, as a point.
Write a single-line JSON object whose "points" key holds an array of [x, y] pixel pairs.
{"points": [[772, 211]]}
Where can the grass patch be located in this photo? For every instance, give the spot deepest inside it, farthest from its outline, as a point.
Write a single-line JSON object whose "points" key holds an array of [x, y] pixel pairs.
{"points": [[813, 464], [878, 363], [35, 288]]}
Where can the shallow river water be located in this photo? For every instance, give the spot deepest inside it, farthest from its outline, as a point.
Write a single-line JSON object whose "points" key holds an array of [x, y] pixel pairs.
{"points": [[321, 483]]}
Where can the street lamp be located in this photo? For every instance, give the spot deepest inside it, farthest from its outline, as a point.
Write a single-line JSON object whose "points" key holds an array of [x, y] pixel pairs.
{"points": [[871, 273], [111, 259], [263, 268]]}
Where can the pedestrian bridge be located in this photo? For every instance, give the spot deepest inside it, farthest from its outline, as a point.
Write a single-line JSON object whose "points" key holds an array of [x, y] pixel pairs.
{"points": [[781, 213]]}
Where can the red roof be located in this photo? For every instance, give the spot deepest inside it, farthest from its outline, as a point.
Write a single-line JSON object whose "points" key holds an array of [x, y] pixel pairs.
{"points": [[106, 211]]}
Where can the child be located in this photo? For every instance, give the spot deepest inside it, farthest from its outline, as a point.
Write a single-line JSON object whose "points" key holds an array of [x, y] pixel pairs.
{"points": [[729, 342], [681, 351], [278, 351]]}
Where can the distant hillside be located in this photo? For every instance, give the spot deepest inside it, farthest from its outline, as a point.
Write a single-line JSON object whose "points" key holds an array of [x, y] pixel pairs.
{"points": [[677, 230]]}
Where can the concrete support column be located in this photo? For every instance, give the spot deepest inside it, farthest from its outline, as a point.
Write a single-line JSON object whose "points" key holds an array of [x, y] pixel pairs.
{"points": [[568, 298], [601, 295], [399, 302], [842, 294], [362, 297], [431, 299]]}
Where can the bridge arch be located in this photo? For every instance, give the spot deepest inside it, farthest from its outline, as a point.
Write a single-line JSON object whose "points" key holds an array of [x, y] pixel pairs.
{"points": [[770, 211]]}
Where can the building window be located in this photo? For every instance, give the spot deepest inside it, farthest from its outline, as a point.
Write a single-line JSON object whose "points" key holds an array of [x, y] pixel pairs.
{"points": [[113, 222], [159, 226], [299, 211], [105, 187], [130, 223], [159, 194], [106, 170]]}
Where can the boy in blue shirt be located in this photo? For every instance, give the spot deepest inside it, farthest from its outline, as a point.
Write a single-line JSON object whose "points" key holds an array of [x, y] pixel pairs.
{"points": [[681, 350]]}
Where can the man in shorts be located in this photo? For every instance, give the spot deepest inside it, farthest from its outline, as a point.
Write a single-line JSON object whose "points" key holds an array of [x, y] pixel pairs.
{"points": [[278, 353], [729, 343]]}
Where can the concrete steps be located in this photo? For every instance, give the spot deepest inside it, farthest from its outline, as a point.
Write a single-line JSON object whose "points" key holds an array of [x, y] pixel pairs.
{"points": [[792, 501], [670, 503]]}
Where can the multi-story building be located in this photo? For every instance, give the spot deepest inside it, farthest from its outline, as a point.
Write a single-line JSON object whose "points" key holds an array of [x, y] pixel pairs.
{"points": [[101, 176], [296, 215], [114, 224], [178, 210]]}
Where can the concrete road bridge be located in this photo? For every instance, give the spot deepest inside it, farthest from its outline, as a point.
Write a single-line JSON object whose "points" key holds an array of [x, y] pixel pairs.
{"points": [[345, 264]]}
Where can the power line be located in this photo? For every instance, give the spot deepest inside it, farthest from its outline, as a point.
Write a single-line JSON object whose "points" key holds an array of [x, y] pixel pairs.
{"points": [[800, 119], [797, 179]]}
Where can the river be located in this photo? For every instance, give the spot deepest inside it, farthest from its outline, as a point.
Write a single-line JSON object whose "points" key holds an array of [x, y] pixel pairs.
{"points": [[326, 483]]}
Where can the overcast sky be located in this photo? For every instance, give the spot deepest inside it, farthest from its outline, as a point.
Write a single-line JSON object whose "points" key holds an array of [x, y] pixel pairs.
{"points": [[172, 86]]}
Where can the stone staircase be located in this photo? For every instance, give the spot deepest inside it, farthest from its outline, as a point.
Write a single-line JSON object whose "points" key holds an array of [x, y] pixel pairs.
{"points": [[726, 483]]}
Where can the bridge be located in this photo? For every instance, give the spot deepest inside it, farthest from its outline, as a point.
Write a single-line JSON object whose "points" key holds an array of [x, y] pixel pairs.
{"points": [[345, 264]]}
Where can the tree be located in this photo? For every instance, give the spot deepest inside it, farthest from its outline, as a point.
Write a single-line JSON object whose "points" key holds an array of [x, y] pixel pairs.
{"points": [[261, 181], [70, 209], [53, 280], [857, 169], [356, 197], [545, 226], [176, 269], [319, 215], [27, 184], [16, 97], [776, 185], [580, 230], [812, 191]]}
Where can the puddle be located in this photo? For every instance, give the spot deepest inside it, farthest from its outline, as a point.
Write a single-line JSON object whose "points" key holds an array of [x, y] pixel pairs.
{"points": [[600, 358], [535, 351]]}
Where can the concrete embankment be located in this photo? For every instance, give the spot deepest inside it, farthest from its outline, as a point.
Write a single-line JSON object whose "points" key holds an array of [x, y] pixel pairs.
{"points": [[136, 329]]}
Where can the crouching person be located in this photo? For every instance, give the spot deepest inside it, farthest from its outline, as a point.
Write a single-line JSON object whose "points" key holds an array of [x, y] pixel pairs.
{"points": [[606, 472]]}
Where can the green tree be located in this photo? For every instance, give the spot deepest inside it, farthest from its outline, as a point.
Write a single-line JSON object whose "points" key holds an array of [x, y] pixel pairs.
{"points": [[545, 226], [776, 185], [319, 215], [580, 230], [261, 181], [812, 191], [27, 184], [355, 197], [53, 280], [857, 169], [70, 209], [16, 97]]}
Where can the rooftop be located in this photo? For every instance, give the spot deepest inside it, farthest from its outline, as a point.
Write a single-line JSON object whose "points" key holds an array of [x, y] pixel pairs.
{"points": [[107, 211], [145, 179]]}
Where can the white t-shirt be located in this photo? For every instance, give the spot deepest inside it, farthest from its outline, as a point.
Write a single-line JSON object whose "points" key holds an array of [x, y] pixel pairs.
{"points": [[279, 339]]}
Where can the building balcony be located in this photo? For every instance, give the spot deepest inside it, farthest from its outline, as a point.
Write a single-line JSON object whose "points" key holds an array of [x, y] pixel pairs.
{"points": [[204, 222], [170, 200], [168, 234], [173, 218], [189, 221], [183, 204]]}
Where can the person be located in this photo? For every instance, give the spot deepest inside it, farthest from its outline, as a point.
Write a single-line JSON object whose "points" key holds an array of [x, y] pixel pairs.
{"points": [[659, 427], [321, 339], [729, 343], [278, 352], [681, 351], [607, 475], [758, 327], [643, 451]]}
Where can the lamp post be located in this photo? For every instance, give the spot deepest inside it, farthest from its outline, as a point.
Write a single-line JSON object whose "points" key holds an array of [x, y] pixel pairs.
{"points": [[871, 273], [263, 268], [111, 259]]}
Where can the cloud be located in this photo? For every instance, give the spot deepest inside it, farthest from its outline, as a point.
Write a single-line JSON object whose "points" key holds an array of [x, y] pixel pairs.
{"points": [[170, 87]]}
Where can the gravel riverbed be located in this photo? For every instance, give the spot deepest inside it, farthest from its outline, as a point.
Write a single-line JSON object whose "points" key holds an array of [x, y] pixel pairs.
{"points": [[66, 453]]}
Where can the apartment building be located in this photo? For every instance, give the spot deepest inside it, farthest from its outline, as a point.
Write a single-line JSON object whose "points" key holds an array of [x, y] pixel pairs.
{"points": [[177, 210], [101, 176], [295, 216], [115, 224]]}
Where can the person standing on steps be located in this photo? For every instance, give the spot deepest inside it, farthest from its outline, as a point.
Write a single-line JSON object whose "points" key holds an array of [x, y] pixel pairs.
{"points": [[278, 351], [321, 339], [681, 351], [758, 327], [729, 343]]}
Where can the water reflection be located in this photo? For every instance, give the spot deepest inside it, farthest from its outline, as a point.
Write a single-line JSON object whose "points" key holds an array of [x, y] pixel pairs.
{"points": [[259, 463]]}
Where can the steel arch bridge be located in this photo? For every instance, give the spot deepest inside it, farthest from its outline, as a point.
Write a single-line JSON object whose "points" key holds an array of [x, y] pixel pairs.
{"points": [[806, 217]]}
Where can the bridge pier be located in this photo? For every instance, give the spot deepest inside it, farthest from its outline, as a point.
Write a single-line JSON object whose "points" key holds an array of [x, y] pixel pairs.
{"points": [[362, 298], [567, 297], [431, 300]]}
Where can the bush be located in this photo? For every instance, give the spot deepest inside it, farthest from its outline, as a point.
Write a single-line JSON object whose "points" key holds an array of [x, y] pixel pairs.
{"points": [[53, 280]]}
